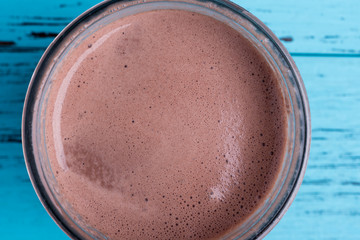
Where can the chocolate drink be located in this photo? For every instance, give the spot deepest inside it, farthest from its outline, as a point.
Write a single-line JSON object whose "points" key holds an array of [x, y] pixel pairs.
{"points": [[167, 124]]}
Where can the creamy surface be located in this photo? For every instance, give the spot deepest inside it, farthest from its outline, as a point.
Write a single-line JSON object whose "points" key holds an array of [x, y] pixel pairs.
{"points": [[165, 125]]}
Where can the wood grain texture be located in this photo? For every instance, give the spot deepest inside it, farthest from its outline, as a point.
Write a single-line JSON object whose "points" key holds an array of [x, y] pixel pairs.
{"points": [[324, 38], [322, 26], [327, 206]]}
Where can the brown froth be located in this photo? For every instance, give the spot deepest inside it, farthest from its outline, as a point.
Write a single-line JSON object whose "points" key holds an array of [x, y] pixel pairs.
{"points": [[172, 125]]}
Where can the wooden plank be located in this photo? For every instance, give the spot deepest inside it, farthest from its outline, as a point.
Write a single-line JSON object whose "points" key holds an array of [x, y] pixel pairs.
{"points": [[22, 215], [26, 28], [304, 26], [330, 26], [327, 206]]}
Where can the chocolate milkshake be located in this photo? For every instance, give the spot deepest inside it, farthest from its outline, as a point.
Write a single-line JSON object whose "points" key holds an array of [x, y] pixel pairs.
{"points": [[167, 124]]}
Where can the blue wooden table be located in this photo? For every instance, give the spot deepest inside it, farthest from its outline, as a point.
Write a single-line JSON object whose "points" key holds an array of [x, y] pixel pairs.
{"points": [[323, 36]]}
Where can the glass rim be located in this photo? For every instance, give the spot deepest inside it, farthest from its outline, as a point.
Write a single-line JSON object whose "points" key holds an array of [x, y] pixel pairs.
{"points": [[33, 88]]}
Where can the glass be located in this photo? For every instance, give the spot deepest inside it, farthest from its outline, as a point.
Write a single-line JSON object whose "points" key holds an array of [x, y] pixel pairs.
{"points": [[296, 157]]}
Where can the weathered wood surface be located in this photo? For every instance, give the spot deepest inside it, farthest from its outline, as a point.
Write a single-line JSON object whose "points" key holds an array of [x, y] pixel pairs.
{"points": [[324, 38]]}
